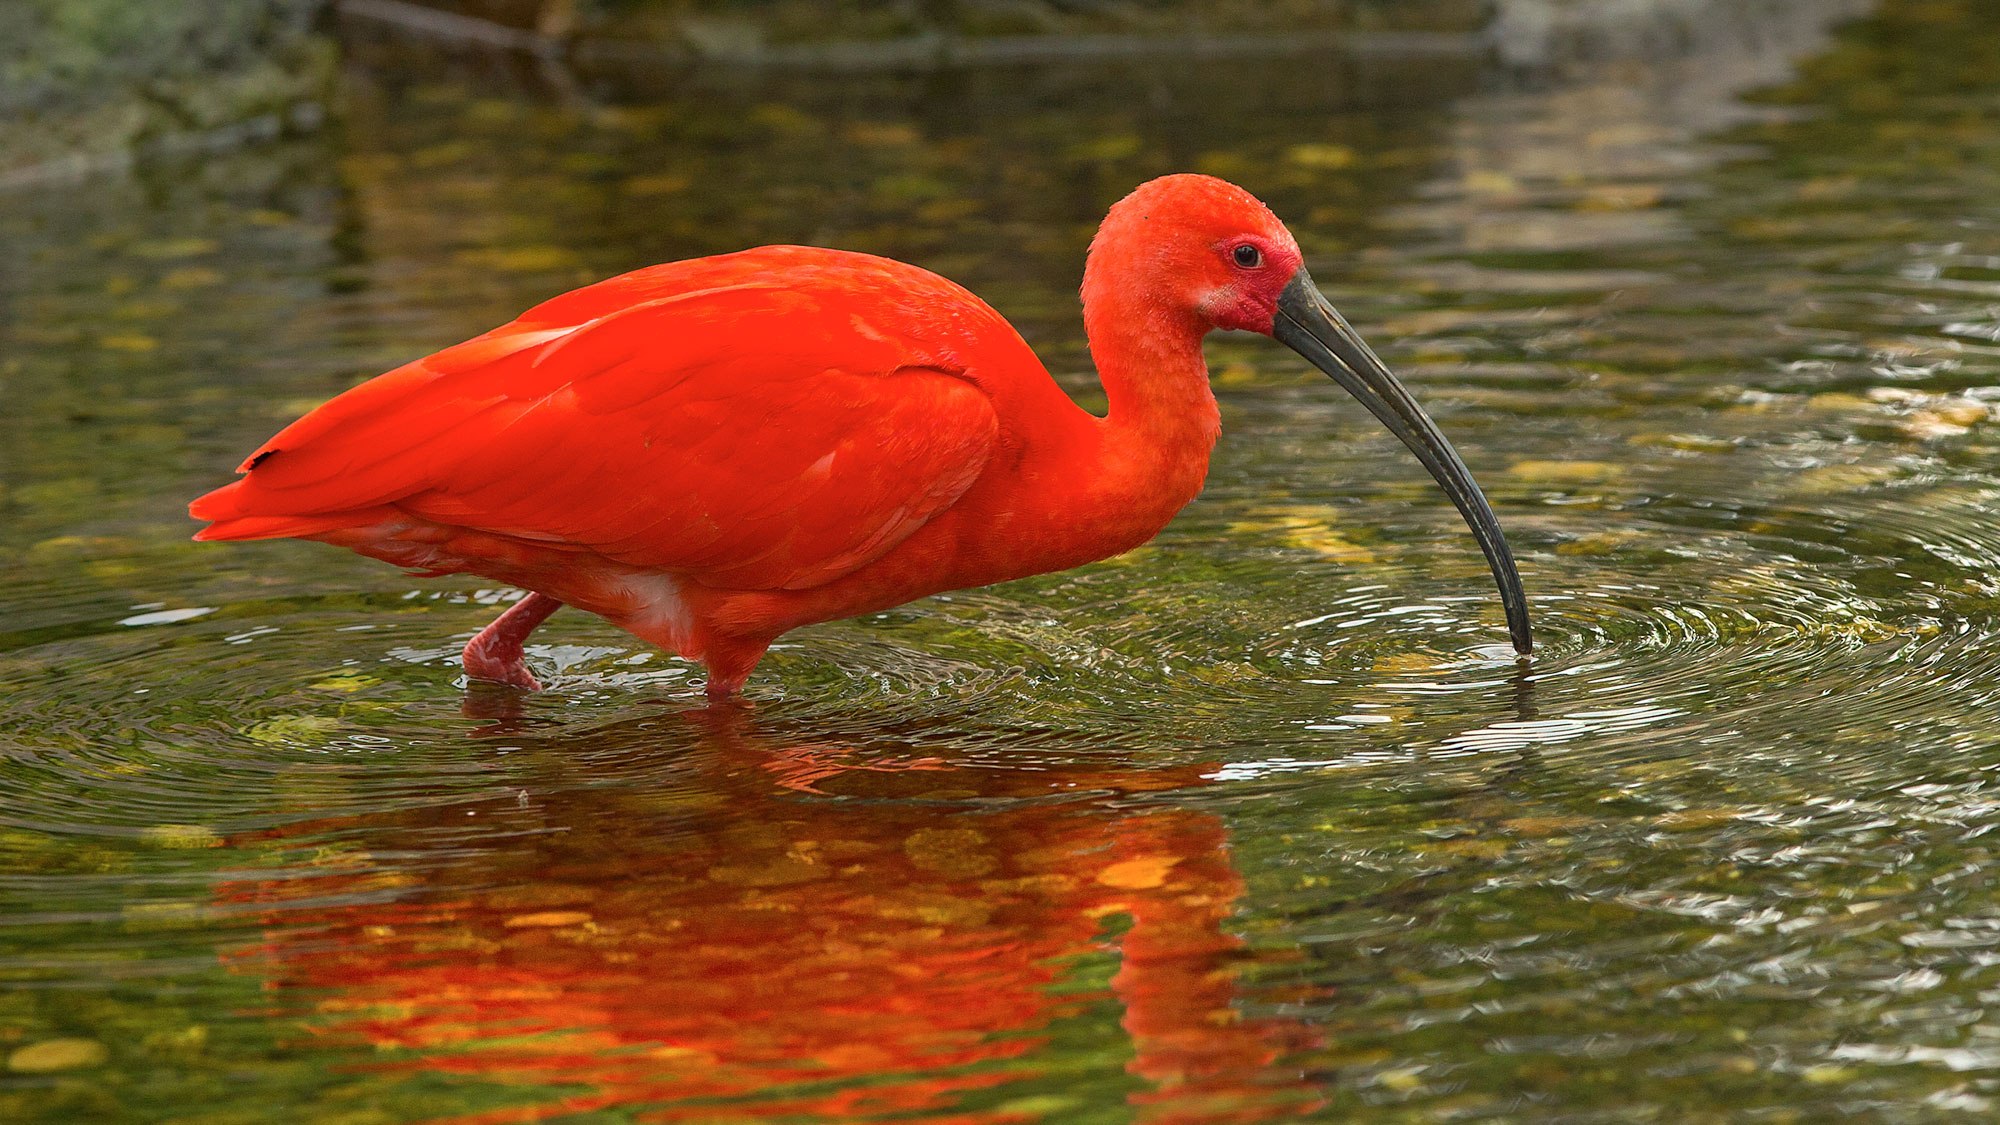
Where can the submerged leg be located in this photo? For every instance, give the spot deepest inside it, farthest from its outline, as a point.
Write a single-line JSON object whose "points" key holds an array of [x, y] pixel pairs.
{"points": [[729, 664], [495, 654]]}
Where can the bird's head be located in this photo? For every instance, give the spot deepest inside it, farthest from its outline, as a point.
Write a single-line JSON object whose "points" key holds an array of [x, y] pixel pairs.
{"points": [[1205, 250], [1205, 254]]}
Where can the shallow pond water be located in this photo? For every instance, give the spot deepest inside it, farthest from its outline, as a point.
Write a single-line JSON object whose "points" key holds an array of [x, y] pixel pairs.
{"points": [[1247, 825]]}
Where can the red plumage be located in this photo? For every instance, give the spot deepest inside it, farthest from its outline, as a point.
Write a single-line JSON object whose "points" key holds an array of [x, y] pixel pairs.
{"points": [[712, 452], [754, 421], [761, 423]]}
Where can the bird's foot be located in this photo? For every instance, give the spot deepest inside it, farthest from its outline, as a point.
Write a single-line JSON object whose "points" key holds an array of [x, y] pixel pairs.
{"points": [[495, 654], [499, 663]]}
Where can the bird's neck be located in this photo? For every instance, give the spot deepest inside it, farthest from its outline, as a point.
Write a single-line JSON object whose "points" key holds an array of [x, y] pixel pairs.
{"points": [[1162, 420]]}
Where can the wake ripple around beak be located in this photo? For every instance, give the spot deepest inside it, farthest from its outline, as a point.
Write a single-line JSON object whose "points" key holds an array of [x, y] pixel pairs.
{"points": [[1727, 631]]}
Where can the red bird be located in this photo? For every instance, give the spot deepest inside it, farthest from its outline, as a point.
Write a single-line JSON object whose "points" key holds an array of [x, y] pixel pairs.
{"points": [[712, 452]]}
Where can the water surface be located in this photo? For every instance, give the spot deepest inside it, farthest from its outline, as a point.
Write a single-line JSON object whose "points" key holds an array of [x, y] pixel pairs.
{"points": [[1250, 824]]}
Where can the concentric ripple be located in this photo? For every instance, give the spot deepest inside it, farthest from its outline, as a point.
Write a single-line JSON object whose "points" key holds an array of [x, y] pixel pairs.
{"points": [[1754, 618]]}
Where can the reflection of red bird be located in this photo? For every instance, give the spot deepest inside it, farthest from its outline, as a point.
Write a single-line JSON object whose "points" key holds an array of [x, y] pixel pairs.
{"points": [[803, 957], [711, 452]]}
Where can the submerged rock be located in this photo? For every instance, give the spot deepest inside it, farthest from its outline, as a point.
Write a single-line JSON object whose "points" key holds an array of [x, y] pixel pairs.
{"points": [[51, 1055]]}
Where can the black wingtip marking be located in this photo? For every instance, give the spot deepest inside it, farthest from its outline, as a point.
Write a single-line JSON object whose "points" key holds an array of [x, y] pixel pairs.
{"points": [[260, 459]]}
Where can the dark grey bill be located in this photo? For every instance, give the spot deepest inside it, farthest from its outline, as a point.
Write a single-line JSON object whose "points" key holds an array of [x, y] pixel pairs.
{"points": [[1309, 325]]}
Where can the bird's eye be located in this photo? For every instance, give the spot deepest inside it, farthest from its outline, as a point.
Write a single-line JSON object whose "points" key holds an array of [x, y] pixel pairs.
{"points": [[1248, 256]]}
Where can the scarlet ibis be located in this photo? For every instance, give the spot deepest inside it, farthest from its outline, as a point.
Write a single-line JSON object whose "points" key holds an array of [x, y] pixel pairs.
{"points": [[709, 453]]}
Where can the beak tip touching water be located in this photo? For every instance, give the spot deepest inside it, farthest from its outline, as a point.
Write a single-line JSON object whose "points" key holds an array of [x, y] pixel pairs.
{"points": [[1308, 324]]}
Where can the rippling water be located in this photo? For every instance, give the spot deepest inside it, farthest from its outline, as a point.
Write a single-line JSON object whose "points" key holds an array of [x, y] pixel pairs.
{"points": [[1257, 822]]}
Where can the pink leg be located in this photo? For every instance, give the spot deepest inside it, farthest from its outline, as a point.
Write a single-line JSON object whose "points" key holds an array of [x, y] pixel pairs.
{"points": [[495, 654]]}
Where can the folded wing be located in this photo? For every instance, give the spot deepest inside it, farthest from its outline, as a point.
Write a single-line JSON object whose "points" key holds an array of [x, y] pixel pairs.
{"points": [[772, 424]]}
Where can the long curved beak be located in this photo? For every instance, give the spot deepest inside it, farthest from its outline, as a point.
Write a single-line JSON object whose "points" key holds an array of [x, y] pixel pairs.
{"points": [[1309, 325]]}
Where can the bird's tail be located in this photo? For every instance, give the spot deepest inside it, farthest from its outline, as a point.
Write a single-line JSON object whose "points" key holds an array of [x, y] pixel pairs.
{"points": [[224, 508]]}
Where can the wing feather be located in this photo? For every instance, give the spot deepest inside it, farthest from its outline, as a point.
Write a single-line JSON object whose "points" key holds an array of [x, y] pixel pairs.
{"points": [[753, 435]]}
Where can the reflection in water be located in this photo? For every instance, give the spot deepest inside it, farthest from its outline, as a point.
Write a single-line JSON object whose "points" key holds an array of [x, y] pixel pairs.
{"points": [[753, 942]]}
